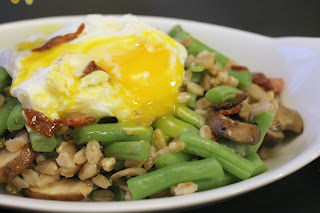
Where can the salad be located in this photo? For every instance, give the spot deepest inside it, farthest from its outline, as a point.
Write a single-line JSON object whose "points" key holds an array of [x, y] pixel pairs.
{"points": [[110, 108]]}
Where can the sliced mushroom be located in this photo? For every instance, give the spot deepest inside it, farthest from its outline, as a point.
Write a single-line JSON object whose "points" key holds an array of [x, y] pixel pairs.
{"points": [[235, 130], [64, 190], [272, 137], [287, 119], [13, 163]]}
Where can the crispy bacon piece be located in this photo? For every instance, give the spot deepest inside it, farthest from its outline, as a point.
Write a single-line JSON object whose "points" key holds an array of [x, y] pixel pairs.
{"points": [[227, 105], [232, 110], [76, 120], [277, 84], [60, 39], [261, 80], [39, 122], [239, 68], [91, 67]]}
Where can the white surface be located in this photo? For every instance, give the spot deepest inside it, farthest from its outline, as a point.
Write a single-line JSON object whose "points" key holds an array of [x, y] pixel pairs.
{"points": [[297, 60]]}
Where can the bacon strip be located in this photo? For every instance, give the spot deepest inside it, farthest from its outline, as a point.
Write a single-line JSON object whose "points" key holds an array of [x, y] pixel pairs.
{"points": [[232, 110], [227, 105], [60, 39], [277, 84], [261, 80], [239, 68], [76, 120], [91, 67], [39, 122]]}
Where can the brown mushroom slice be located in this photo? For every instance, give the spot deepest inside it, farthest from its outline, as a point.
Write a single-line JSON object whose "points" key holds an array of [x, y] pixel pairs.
{"points": [[288, 119], [235, 130], [13, 163], [64, 190], [273, 137]]}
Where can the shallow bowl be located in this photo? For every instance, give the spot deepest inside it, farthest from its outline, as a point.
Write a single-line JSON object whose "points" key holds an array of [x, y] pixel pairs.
{"points": [[295, 59]]}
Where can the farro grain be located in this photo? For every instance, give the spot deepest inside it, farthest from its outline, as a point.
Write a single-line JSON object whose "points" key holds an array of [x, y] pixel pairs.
{"points": [[108, 163], [159, 140], [66, 160], [101, 181], [80, 156], [30, 176], [93, 152], [88, 171], [184, 188], [48, 167]]}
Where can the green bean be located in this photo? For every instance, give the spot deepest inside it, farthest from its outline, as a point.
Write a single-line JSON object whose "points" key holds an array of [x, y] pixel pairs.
{"points": [[188, 115], [133, 150], [16, 120], [119, 194], [264, 121], [260, 166], [196, 77], [5, 79], [41, 143], [231, 162], [172, 158], [206, 184], [196, 68], [244, 77], [192, 103], [112, 132], [172, 126], [196, 46], [119, 165], [221, 94], [5, 111], [153, 182]]}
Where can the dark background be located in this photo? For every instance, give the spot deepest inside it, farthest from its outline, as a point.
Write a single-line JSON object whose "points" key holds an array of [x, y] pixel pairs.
{"points": [[300, 191]]}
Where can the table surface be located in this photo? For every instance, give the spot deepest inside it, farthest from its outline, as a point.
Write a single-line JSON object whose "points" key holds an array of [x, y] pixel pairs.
{"points": [[300, 191]]}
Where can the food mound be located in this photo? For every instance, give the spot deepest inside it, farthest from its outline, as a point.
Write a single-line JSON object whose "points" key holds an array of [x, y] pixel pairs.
{"points": [[110, 108]]}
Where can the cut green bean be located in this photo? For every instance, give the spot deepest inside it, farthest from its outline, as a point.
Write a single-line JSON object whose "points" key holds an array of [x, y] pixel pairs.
{"points": [[192, 103], [231, 162], [5, 111], [172, 158], [196, 68], [16, 120], [260, 166], [196, 77], [41, 143], [244, 77], [207, 184], [133, 150], [112, 132], [119, 165], [119, 194], [172, 126], [196, 46], [221, 94], [264, 121], [188, 115], [153, 182], [5, 79]]}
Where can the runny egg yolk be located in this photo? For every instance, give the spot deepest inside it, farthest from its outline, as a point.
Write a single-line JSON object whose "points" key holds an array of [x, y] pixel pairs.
{"points": [[144, 74]]}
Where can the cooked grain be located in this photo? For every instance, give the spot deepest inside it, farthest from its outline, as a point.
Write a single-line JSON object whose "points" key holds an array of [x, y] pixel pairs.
{"points": [[103, 195], [93, 152], [88, 171], [101, 181], [184, 188], [108, 163]]}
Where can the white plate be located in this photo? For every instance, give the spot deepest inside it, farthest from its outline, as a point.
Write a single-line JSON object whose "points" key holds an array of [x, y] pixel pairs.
{"points": [[297, 60]]}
